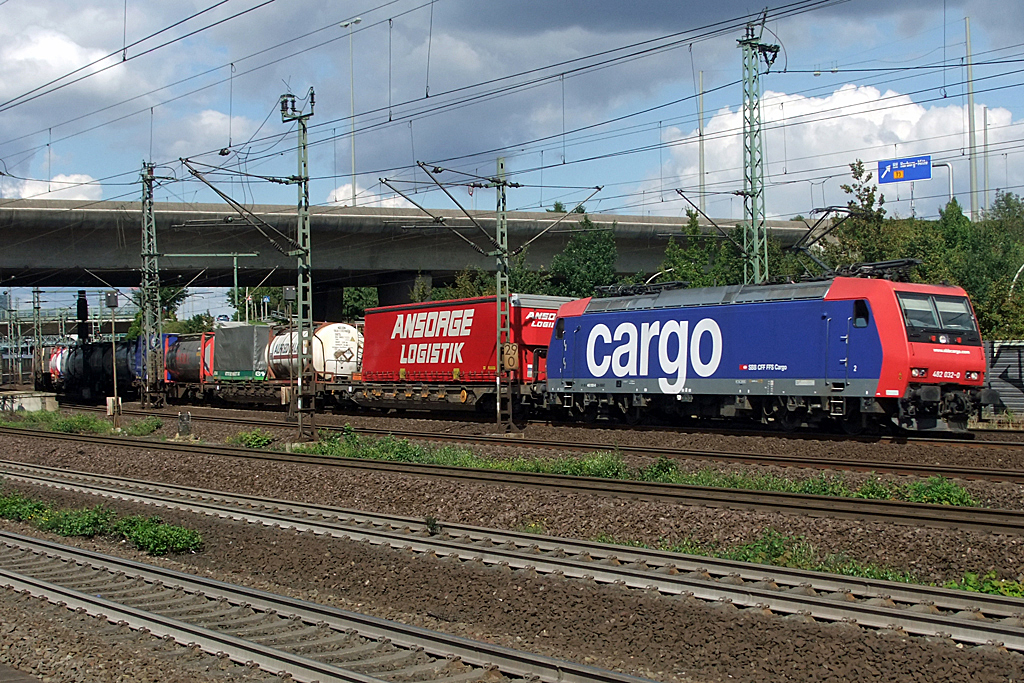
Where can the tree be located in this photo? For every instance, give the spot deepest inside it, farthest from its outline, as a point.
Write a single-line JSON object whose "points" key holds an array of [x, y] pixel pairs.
{"points": [[201, 322], [237, 300], [171, 299], [522, 280], [470, 282], [559, 207], [697, 259], [588, 261], [356, 300], [861, 237]]}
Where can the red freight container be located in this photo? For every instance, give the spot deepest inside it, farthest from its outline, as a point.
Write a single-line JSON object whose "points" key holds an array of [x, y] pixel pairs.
{"points": [[454, 341]]}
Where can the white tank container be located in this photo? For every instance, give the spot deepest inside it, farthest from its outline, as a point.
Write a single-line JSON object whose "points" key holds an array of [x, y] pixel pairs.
{"points": [[57, 358], [337, 352]]}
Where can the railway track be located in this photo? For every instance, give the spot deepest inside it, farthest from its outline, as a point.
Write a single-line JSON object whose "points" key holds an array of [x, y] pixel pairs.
{"points": [[922, 610], [985, 520], [808, 462], [967, 439], [308, 641]]}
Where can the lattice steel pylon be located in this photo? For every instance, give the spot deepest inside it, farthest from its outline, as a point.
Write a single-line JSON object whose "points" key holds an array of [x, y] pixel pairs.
{"points": [[755, 237], [503, 328], [149, 298], [306, 392]]}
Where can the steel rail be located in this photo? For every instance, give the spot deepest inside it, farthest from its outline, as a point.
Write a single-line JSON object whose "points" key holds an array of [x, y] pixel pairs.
{"points": [[1014, 476], [969, 617], [476, 653], [985, 520]]}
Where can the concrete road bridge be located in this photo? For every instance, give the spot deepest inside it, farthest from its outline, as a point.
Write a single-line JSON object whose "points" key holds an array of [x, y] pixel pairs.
{"points": [[60, 243]]}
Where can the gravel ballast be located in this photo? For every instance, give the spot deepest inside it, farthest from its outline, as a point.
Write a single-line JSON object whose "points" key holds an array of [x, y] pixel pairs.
{"points": [[646, 634], [665, 638]]}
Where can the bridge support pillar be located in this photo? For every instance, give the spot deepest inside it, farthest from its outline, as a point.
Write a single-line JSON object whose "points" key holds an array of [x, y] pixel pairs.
{"points": [[328, 303]]}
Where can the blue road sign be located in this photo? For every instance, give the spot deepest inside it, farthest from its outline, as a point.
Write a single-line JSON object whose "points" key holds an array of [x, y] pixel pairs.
{"points": [[910, 168]]}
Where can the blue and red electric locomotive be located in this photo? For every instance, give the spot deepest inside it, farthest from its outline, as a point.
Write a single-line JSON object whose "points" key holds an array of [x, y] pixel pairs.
{"points": [[855, 350]]}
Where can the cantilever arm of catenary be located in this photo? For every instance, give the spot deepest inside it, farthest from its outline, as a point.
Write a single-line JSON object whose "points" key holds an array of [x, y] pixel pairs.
{"points": [[249, 217], [437, 219], [518, 250], [430, 175]]}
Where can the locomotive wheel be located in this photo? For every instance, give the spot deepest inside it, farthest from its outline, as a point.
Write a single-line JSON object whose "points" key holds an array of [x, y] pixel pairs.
{"points": [[788, 420], [633, 415], [852, 424]]}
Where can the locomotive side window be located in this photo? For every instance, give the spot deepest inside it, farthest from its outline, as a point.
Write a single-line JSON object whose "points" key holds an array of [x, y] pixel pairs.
{"points": [[560, 328], [918, 310], [861, 316], [955, 313]]}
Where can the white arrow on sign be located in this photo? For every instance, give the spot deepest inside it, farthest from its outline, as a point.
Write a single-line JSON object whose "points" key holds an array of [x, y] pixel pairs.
{"points": [[887, 168]]}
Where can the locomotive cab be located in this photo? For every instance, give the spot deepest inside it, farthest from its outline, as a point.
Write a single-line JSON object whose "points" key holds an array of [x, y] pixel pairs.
{"points": [[946, 363]]}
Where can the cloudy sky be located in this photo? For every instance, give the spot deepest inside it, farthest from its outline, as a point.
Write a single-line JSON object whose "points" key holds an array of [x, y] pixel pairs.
{"points": [[574, 94]]}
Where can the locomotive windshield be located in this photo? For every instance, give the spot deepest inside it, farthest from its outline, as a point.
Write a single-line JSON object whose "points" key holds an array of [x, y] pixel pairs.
{"points": [[926, 315]]}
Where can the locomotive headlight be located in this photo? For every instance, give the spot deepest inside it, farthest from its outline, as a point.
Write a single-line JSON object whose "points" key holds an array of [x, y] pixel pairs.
{"points": [[943, 338], [971, 375], [919, 372]]}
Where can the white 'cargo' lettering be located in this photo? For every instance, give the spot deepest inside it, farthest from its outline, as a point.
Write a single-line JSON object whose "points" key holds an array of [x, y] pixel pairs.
{"points": [[631, 355]]}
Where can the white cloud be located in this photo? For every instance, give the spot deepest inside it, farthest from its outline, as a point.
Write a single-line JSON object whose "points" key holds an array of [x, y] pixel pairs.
{"points": [[811, 140], [60, 187], [342, 196], [39, 55], [209, 130]]}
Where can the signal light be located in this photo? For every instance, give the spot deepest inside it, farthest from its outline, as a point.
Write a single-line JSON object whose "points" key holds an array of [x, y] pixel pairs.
{"points": [[919, 372], [973, 375], [943, 339]]}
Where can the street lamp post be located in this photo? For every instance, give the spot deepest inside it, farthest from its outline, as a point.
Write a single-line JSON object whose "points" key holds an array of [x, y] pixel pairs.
{"points": [[352, 99]]}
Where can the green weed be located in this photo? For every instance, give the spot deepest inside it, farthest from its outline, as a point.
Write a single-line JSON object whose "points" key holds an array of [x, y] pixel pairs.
{"points": [[534, 527], [149, 534], [257, 438], [144, 427], [87, 522], [610, 465], [989, 584], [20, 509], [80, 423], [937, 491]]}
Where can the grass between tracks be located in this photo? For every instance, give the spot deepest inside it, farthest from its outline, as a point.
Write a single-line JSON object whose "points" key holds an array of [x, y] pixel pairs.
{"points": [[610, 465], [795, 552], [148, 534], [77, 423]]}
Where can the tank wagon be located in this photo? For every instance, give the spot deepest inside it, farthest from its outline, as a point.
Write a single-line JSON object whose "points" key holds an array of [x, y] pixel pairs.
{"points": [[254, 363], [858, 351]]}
